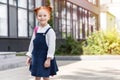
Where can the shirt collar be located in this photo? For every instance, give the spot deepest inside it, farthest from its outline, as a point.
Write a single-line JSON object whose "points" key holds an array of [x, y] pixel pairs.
{"points": [[45, 27]]}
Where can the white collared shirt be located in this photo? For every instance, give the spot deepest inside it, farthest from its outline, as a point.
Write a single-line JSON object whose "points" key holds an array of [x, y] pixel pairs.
{"points": [[50, 40]]}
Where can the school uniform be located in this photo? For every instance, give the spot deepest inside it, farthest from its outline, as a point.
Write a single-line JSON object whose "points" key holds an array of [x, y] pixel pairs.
{"points": [[41, 47]]}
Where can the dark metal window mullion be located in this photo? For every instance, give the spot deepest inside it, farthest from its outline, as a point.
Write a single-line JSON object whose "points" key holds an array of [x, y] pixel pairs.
{"points": [[70, 21], [17, 16], [88, 30], [8, 22], [66, 16], [60, 7], [34, 1], [75, 22], [96, 26], [75, 30], [82, 17], [78, 21], [43, 2], [84, 27], [72, 18], [58, 17], [54, 15], [27, 18]]}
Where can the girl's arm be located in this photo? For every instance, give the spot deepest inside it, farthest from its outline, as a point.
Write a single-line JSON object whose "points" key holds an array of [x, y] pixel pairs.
{"points": [[51, 43], [29, 53]]}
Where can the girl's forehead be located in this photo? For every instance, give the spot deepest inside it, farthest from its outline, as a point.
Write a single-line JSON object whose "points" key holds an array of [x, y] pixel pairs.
{"points": [[43, 11]]}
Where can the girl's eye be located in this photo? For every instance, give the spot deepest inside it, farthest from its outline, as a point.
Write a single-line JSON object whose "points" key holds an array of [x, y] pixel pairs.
{"points": [[45, 15], [39, 15]]}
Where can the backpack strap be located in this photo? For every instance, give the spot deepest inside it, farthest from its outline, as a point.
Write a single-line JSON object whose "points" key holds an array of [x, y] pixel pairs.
{"points": [[47, 30], [35, 30]]}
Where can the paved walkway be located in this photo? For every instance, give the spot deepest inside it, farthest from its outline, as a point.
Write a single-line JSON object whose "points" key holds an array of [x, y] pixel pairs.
{"points": [[90, 70], [73, 70]]}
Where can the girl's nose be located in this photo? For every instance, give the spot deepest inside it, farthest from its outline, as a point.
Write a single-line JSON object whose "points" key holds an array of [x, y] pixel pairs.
{"points": [[42, 17]]}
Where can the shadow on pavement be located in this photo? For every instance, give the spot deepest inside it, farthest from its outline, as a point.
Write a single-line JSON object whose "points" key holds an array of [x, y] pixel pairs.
{"points": [[89, 74]]}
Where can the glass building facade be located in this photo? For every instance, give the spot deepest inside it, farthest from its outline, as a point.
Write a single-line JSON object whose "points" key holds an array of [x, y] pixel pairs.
{"points": [[76, 18]]}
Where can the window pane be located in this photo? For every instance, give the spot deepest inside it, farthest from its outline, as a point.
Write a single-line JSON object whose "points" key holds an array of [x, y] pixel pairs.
{"points": [[31, 4], [31, 23], [93, 22], [22, 3], [22, 23], [12, 22], [75, 26], [80, 21], [3, 20], [12, 2], [63, 18], [68, 19], [38, 3], [5, 1]]}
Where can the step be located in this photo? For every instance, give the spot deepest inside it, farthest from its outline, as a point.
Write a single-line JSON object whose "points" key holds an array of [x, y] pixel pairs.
{"points": [[4, 55], [14, 62]]}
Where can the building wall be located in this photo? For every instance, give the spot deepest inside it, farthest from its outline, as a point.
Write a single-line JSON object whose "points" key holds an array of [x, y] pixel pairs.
{"points": [[70, 18], [110, 8], [103, 22], [75, 18], [110, 21], [107, 21]]}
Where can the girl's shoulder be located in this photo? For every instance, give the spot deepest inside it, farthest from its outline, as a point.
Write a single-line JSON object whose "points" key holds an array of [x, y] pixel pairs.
{"points": [[51, 30]]}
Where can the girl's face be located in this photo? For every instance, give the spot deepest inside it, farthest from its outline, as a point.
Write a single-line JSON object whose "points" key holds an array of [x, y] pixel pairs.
{"points": [[43, 16]]}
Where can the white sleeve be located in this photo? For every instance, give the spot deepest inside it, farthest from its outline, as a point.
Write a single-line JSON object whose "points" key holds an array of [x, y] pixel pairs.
{"points": [[51, 43], [29, 53]]}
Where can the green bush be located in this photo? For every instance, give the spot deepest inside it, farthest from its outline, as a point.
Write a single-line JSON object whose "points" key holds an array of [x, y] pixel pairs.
{"points": [[70, 47], [100, 43]]}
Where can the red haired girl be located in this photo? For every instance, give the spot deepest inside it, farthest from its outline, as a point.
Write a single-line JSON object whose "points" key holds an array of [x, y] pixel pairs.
{"points": [[42, 47]]}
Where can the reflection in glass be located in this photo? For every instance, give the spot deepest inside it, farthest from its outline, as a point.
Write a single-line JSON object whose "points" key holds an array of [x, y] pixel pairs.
{"points": [[75, 26], [93, 22], [4, 1], [80, 22], [22, 3], [68, 19], [22, 23], [31, 23], [38, 3], [12, 2], [31, 4], [62, 13], [3, 20]]}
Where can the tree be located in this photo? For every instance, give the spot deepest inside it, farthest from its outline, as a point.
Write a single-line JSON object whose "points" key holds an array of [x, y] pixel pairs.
{"points": [[47, 3]]}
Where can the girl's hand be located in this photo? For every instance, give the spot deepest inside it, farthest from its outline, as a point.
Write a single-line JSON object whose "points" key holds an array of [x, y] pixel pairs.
{"points": [[47, 63], [28, 61]]}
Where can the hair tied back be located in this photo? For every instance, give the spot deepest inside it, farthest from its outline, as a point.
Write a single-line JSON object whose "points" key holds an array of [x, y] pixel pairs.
{"points": [[49, 8]]}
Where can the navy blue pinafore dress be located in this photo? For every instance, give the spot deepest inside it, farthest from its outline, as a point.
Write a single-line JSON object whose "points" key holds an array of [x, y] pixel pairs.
{"points": [[39, 55]]}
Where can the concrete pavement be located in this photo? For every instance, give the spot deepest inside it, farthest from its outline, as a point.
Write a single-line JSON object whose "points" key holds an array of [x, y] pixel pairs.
{"points": [[73, 70], [90, 70]]}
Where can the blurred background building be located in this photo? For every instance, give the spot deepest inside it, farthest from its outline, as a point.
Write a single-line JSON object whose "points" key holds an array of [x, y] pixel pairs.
{"points": [[76, 18], [109, 16]]}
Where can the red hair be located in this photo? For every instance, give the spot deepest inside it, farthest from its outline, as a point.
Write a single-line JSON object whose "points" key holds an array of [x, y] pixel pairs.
{"points": [[47, 8]]}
